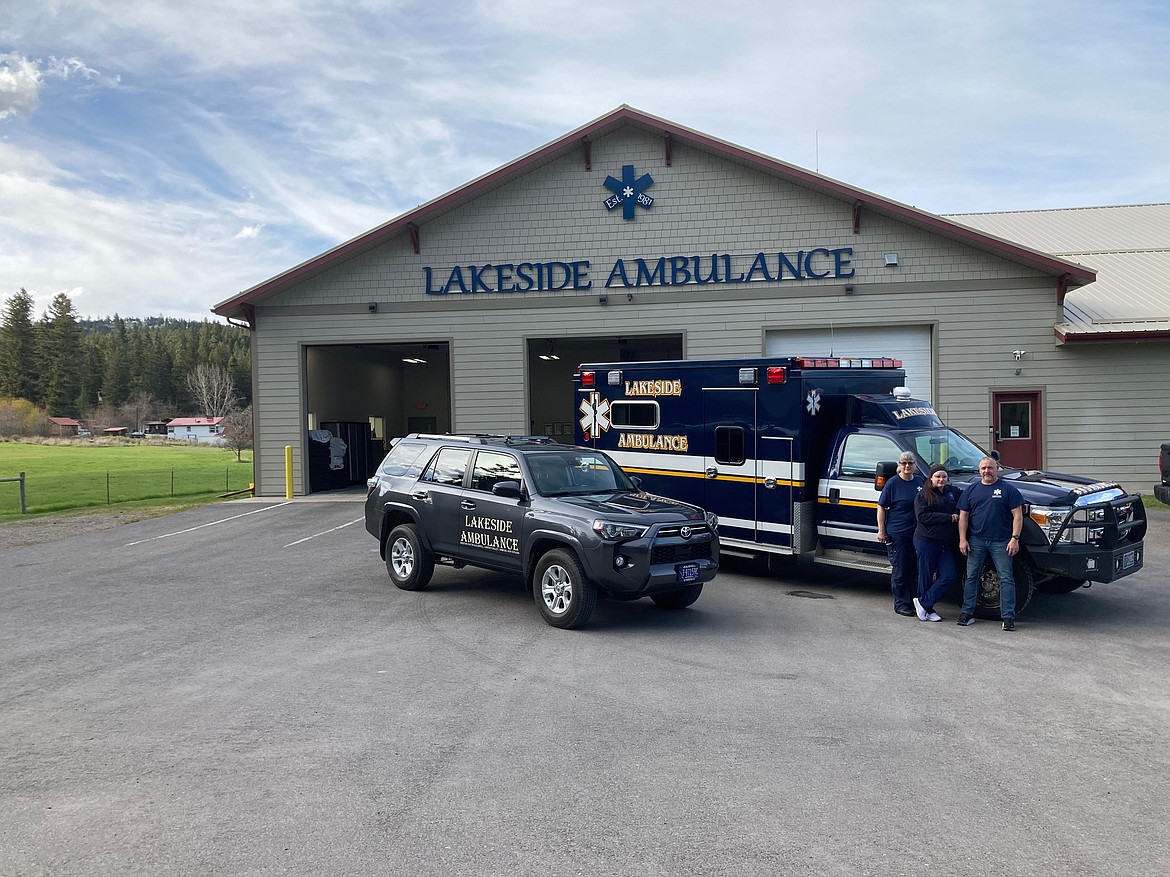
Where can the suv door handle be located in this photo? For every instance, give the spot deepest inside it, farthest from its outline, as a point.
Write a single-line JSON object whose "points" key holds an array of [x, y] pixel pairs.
{"points": [[422, 495], [467, 504]]}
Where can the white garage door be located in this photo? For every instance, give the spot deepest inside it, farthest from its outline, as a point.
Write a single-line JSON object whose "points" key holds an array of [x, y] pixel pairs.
{"points": [[911, 344]]}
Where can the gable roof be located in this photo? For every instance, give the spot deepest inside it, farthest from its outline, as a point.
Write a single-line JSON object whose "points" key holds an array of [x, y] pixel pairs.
{"points": [[1128, 245], [194, 421], [240, 306]]}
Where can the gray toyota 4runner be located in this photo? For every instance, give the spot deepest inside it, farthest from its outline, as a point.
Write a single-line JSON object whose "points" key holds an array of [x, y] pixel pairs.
{"points": [[566, 518]]}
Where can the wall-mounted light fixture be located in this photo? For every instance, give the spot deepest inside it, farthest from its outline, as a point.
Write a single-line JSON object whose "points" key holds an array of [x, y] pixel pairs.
{"points": [[603, 300], [849, 289], [891, 260], [373, 306], [1018, 355]]}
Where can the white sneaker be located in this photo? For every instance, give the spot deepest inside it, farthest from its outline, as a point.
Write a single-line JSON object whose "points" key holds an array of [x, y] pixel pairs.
{"points": [[919, 610], [934, 616]]}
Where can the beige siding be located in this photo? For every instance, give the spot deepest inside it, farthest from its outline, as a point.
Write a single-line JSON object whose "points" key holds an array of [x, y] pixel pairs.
{"points": [[1107, 408]]}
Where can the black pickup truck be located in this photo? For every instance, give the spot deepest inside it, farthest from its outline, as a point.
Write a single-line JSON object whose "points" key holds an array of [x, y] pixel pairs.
{"points": [[1162, 491]]}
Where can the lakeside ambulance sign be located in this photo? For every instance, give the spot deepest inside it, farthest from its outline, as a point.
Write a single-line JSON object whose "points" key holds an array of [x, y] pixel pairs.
{"points": [[818, 263]]}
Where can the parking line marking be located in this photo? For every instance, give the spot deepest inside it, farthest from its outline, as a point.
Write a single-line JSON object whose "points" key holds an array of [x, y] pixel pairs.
{"points": [[323, 532], [208, 524]]}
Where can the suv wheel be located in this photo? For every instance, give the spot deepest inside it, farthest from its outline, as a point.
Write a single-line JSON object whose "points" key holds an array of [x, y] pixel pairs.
{"points": [[409, 564], [564, 596], [680, 599]]}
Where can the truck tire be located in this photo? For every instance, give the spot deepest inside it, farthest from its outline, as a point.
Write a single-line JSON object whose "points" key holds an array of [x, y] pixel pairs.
{"points": [[987, 602], [1060, 585], [409, 564], [680, 599], [564, 596]]}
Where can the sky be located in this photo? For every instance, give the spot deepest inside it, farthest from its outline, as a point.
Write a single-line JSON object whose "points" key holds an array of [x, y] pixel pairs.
{"points": [[159, 156]]}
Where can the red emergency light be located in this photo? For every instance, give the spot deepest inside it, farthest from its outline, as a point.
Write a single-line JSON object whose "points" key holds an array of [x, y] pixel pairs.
{"points": [[777, 374], [586, 379]]}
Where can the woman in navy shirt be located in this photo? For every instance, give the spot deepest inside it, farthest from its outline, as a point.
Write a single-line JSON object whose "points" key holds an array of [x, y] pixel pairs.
{"points": [[935, 539]]}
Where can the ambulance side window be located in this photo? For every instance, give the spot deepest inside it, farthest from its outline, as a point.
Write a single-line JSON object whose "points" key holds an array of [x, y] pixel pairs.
{"points": [[729, 445], [863, 452], [640, 415]]}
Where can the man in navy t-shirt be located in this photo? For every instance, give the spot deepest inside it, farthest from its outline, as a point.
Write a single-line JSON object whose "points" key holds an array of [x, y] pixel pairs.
{"points": [[896, 522], [991, 518]]}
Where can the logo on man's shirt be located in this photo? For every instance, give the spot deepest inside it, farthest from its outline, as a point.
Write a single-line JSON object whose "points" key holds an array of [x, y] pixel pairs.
{"points": [[997, 492]]}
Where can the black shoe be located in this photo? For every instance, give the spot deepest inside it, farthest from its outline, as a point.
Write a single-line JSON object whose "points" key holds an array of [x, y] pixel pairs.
{"points": [[1009, 624], [965, 620], [907, 611]]}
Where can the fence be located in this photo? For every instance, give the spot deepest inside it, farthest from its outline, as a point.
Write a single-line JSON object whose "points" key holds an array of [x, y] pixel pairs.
{"points": [[50, 493]]}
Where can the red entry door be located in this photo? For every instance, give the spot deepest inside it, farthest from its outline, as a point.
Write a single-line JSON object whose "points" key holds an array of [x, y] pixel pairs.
{"points": [[1018, 428]]}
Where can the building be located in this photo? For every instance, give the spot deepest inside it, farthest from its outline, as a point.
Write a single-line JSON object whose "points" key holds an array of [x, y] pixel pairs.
{"points": [[633, 238], [207, 430]]}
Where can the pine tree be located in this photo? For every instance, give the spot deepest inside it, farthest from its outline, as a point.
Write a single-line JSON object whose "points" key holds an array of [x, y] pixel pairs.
{"points": [[18, 348], [59, 341]]}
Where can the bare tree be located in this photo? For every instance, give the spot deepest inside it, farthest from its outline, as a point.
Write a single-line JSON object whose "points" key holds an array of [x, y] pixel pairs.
{"points": [[211, 386], [237, 431]]}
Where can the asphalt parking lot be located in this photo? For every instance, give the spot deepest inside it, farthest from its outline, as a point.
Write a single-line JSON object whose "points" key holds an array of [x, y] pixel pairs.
{"points": [[238, 690]]}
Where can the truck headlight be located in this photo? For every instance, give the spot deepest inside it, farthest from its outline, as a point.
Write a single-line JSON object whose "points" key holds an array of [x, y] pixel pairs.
{"points": [[1049, 520], [615, 530]]}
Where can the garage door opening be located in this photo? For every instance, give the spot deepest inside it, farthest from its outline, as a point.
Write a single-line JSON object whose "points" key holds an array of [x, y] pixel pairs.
{"points": [[365, 395], [552, 362]]}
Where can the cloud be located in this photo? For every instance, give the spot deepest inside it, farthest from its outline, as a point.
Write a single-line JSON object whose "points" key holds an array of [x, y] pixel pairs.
{"points": [[20, 86], [248, 231]]}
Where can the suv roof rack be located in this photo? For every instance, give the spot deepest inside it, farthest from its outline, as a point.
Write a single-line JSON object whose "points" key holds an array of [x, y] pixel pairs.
{"points": [[488, 438]]}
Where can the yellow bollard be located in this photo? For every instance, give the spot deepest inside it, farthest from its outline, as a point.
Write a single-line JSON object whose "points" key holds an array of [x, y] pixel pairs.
{"points": [[288, 479]]}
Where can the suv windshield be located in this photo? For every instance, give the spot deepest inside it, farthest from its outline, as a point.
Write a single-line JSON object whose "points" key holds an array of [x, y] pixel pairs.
{"points": [[569, 471], [958, 453]]}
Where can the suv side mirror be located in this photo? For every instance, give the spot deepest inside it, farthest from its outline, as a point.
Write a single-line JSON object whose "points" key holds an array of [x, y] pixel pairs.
{"points": [[884, 472], [508, 489]]}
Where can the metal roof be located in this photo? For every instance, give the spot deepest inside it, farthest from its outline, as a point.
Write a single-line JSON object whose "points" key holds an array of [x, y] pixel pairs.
{"points": [[1129, 246]]}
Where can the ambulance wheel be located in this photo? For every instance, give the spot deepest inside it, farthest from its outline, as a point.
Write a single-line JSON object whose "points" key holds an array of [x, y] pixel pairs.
{"points": [[563, 595], [1060, 585], [409, 564], [987, 603], [680, 599]]}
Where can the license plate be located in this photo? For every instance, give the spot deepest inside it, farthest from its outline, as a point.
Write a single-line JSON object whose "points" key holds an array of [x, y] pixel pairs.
{"points": [[688, 572], [1128, 559]]}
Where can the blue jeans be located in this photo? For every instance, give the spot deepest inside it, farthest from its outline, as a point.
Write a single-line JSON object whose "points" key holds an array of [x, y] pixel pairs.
{"points": [[934, 558], [903, 570], [997, 551]]}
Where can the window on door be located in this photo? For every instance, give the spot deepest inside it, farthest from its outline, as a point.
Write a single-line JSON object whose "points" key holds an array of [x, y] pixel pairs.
{"points": [[1015, 420], [729, 445]]}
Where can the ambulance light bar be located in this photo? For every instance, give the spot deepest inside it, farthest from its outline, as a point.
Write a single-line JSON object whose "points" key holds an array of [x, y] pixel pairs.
{"points": [[809, 362]]}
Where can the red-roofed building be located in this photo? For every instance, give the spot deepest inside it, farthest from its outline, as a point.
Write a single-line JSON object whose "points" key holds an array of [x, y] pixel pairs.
{"points": [[64, 426]]}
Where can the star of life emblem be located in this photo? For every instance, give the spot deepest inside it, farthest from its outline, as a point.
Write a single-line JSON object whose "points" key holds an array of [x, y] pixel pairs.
{"points": [[595, 415], [813, 402], [628, 191]]}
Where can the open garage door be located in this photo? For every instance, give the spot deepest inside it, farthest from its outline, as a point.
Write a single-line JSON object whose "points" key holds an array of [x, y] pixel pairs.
{"points": [[911, 344], [366, 394], [552, 362]]}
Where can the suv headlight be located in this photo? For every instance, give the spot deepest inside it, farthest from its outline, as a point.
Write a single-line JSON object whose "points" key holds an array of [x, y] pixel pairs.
{"points": [[614, 530], [713, 522]]}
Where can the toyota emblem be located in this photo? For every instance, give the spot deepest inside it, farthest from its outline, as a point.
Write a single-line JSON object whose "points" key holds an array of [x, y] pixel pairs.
{"points": [[685, 532]]}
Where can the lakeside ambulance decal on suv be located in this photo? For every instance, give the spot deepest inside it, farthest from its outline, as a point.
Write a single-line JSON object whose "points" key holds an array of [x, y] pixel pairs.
{"points": [[567, 519]]}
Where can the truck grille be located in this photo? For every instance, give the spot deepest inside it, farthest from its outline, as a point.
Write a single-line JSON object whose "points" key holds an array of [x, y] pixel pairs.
{"points": [[680, 552]]}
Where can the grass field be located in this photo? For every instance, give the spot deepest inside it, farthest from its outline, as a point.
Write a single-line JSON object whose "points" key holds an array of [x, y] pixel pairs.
{"points": [[79, 474]]}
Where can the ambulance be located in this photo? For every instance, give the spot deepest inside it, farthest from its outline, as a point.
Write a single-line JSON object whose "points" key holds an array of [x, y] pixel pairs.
{"points": [[792, 452]]}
